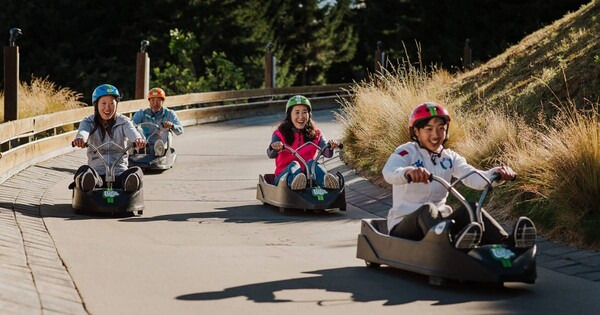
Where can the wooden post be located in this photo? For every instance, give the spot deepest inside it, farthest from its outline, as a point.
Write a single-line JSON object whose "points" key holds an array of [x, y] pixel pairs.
{"points": [[273, 71], [270, 70], [11, 77], [379, 58], [142, 72], [467, 62]]}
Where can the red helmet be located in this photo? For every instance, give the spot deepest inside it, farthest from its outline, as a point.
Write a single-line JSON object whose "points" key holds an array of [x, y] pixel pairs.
{"points": [[157, 92], [424, 111]]}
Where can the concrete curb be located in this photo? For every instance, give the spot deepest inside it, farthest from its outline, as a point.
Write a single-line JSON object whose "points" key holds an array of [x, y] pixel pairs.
{"points": [[33, 277]]}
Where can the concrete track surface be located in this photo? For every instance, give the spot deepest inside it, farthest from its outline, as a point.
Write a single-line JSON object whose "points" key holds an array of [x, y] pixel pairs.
{"points": [[205, 245]]}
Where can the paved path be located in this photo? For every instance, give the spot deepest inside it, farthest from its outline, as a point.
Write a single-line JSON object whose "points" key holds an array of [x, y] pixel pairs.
{"points": [[205, 245]]}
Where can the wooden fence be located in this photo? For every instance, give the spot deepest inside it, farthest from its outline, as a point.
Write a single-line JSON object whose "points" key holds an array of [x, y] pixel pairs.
{"points": [[27, 141]]}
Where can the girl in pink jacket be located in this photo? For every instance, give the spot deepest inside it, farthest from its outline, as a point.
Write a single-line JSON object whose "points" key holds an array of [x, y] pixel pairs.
{"points": [[296, 129], [419, 205]]}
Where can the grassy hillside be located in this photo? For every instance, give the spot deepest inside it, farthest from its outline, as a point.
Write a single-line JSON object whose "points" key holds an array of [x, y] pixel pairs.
{"points": [[555, 65], [534, 108]]}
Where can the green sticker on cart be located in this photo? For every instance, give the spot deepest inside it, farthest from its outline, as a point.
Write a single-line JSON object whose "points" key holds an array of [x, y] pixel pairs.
{"points": [[503, 254], [319, 193], [110, 195]]}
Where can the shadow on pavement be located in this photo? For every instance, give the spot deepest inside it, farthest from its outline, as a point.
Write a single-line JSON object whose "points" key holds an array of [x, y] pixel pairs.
{"points": [[233, 214], [390, 285], [64, 211], [246, 214], [59, 169]]}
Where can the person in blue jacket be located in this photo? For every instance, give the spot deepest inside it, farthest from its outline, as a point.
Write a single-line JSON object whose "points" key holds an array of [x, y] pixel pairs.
{"points": [[158, 114]]}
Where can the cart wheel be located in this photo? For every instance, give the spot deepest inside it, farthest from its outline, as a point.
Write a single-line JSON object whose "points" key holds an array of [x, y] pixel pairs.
{"points": [[342, 208], [371, 264], [140, 212], [281, 209], [317, 211]]}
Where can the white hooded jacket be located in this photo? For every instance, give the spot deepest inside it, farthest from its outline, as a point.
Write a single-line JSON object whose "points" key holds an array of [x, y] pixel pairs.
{"points": [[409, 197]]}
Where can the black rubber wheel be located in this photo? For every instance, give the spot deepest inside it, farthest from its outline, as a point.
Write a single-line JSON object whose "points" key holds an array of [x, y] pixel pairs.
{"points": [[140, 212], [371, 264]]}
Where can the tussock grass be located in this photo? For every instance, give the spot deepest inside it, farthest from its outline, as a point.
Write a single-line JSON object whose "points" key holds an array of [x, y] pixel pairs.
{"points": [[503, 112], [42, 97], [375, 118], [527, 75], [559, 168], [487, 135], [557, 160]]}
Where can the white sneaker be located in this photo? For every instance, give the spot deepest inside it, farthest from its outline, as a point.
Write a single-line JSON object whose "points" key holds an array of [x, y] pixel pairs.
{"points": [[283, 178], [132, 183], [87, 181], [524, 233], [469, 237], [299, 182], [331, 182], [159, 148]]}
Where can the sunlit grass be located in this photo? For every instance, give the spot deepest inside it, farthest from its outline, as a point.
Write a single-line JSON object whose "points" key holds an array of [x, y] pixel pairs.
{"points": [[503, 113], [42, 97], [376, 117], [557, 160], [559, 168]]}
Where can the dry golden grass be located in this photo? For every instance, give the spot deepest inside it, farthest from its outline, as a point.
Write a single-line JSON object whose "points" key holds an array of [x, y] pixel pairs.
{"points": [[43, 97], [506, 112], [487, 135], [530, 73], [375, 118], [559, 168], [558, 163]]}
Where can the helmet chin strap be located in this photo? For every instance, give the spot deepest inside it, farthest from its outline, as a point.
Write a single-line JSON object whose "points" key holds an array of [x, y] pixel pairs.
{"points": [[434, 155]]}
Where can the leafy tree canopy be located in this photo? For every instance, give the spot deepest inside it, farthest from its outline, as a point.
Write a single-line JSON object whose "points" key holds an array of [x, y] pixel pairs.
{"points": [[198, 45]]}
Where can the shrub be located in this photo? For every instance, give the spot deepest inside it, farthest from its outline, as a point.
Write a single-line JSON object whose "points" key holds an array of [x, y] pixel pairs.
{"points": [[42, 97]]}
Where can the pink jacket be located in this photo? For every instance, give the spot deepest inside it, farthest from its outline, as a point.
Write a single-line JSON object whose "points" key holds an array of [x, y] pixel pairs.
{"points": [[285, 157]]}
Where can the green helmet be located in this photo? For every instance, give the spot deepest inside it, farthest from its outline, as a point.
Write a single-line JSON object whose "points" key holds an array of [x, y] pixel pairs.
{"points": [[298, 100]]}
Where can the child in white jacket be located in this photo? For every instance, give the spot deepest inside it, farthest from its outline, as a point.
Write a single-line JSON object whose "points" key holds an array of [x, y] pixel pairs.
{"points": [[420, 204]]}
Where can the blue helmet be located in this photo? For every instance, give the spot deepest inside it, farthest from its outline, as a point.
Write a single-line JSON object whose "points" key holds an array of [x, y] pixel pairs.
{"points": [[105, 89]]}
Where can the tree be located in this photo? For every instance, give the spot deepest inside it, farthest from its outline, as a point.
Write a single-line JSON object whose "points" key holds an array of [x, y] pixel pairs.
{"points": [[181, 77], [80, 44]]}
